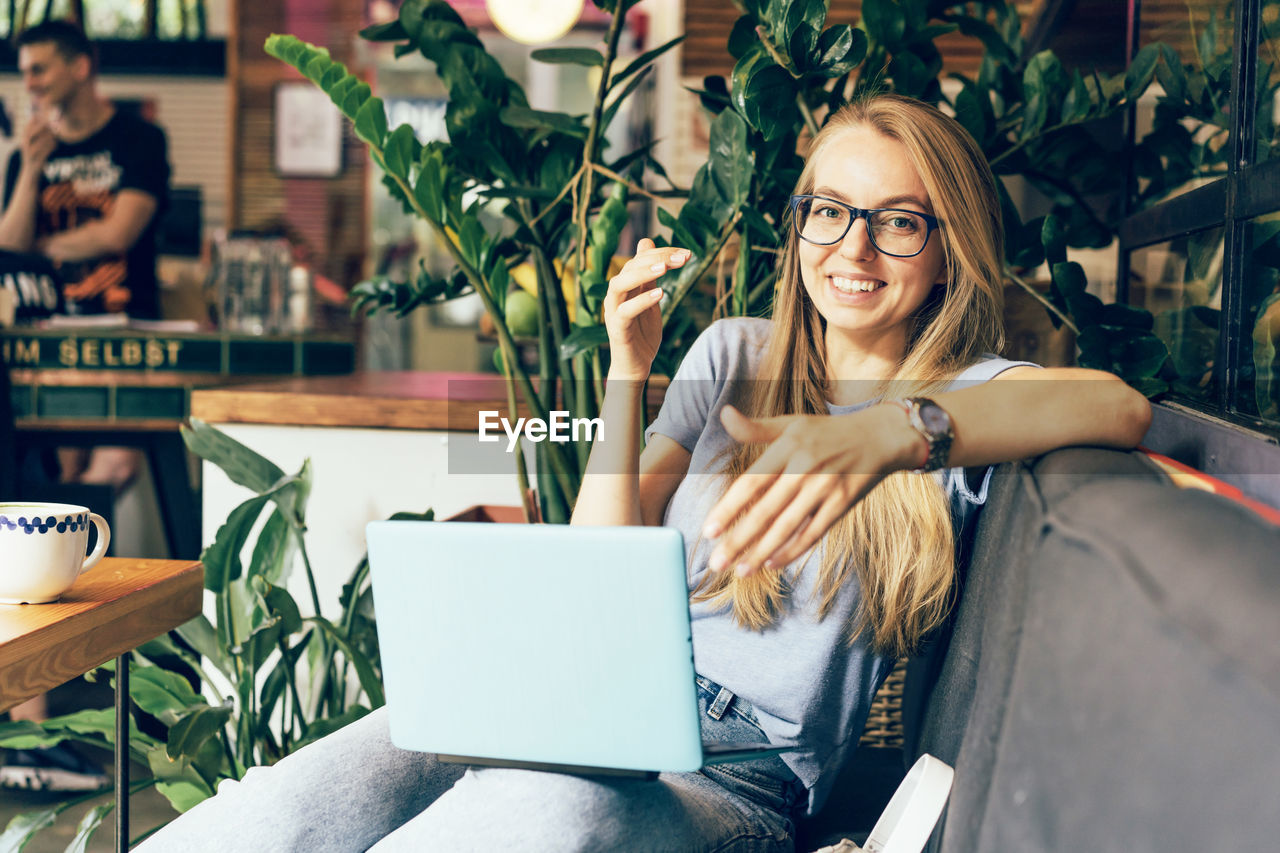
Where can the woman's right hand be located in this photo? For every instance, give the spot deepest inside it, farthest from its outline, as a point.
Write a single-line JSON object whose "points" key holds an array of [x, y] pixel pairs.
{"points": [[631, 313]]}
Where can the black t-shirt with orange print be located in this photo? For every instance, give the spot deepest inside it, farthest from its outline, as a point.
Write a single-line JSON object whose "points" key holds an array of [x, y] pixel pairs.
{"points": [[79, 183]]}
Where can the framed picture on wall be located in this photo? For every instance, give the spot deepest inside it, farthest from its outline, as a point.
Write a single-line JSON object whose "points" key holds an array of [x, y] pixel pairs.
{"points": [[308, 132]]}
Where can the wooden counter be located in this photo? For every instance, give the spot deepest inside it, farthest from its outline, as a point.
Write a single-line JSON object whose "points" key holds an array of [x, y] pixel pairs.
{"points": [[380, 400]]}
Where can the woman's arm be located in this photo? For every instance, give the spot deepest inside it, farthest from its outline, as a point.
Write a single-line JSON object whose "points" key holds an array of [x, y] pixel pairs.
{"points": [[620, 491], [621, 485], [816, 467]]}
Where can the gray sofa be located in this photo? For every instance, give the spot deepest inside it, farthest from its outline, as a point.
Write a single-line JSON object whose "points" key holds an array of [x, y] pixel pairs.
{"points": [[1110, 679]]}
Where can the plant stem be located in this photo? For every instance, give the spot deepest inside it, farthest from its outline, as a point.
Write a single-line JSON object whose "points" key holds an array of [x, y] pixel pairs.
{"points": [[1039, 297], [568, 188], [233, 767], [703, 264], [807, 114], [633, 187], [522, 476], [291, 679], [593, 137], [306, 564]]}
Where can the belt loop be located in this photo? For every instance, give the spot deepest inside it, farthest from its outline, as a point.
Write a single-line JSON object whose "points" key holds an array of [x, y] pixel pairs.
{"points": [[721, 703]]}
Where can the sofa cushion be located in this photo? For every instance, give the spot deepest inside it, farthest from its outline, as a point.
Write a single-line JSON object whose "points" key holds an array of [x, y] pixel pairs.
{"points": [[1113, 678]]}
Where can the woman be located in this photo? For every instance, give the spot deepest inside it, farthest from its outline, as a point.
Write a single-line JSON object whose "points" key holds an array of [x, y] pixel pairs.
{"points": [[889, 289]]}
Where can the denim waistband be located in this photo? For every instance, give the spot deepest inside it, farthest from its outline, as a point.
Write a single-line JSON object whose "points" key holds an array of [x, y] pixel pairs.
{"points": [[767, 780]]}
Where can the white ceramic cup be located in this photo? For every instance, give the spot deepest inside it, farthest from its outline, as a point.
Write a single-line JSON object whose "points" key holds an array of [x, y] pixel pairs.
{"points": [[42, 548]]}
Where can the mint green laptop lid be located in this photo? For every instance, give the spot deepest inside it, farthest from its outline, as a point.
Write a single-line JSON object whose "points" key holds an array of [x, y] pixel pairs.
{"points": [[545, 644]]}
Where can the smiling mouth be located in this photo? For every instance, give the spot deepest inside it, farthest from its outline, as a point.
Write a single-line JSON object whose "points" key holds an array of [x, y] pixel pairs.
{"points": [[855, 285]]}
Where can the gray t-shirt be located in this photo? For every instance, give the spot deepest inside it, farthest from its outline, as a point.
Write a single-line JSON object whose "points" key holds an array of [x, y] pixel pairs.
{"points": [[804, 679]]}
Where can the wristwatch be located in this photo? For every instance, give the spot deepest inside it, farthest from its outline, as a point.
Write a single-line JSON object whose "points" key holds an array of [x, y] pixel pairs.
{"points": [[931, 421]]}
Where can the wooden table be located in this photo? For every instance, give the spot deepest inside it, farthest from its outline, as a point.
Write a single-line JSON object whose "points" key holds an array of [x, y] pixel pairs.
{"points": [[114, 607]]}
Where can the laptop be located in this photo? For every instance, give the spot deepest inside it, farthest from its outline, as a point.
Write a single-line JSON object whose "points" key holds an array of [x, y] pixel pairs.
{"points": [[543, 646]]}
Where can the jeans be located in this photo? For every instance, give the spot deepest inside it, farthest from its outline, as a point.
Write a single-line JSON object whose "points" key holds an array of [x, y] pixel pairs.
{"points": [[354, 790]]}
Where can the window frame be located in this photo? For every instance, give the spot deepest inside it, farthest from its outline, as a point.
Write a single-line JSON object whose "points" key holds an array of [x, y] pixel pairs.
{"points": [[1215, 435]]}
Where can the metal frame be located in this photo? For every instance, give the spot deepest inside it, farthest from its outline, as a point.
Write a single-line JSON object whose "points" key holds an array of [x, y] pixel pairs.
{"points": [[122, 753]]}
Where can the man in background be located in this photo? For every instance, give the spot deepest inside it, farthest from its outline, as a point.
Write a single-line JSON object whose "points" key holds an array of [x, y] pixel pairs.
{"points": [[85, 189], [87, 182]]}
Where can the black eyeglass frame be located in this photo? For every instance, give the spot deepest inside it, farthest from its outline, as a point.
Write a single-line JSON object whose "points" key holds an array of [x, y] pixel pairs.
{"points": [[931, 222]]}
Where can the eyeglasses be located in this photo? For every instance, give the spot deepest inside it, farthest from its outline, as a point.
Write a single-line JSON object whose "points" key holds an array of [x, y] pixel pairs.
{"points": [[892, 231]]}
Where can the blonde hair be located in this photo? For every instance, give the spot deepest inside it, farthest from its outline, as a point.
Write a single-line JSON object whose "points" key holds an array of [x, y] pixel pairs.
{"points": [[898, 539]]}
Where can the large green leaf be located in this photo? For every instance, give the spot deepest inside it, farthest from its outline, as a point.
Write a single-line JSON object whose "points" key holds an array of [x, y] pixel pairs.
{"points": [[525, 118], [583, 340], [800, 46], [767, 96], [839, 50], [391, 31], [1141, 71], [1078, 103], [178, 779], [333, 78], [222, 558], [798, 13], [606, 117], [401, 151], [365, 672], [273, 551], [429, 190], [1044, 85], [329, 725], [371, 122], [199, 632], [970, 113], [585, 56], [1126, 316], [21, 829], [192, 729], [243, 466], [910, 75], [993, 42], [88, 825], [680, 232], [1069, 279], [164, 695], [750, 61], [642, 61], [730, 163], [96, 727], [1054, 237], [883, 21], [1172, 76]]}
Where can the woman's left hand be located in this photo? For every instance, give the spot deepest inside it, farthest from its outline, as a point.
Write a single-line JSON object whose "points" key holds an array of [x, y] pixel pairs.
{"points": [[815, 468]]}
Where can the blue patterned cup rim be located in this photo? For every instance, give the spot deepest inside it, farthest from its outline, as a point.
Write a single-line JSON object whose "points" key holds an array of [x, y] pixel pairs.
{"points": [[43, 518]]}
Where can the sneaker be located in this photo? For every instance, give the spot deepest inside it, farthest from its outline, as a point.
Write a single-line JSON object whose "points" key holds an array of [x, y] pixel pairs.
{"points": [[58, 768]]}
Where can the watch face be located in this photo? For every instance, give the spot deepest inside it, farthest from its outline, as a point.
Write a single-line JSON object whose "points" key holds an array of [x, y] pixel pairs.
{"points": [[934, 418]]}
